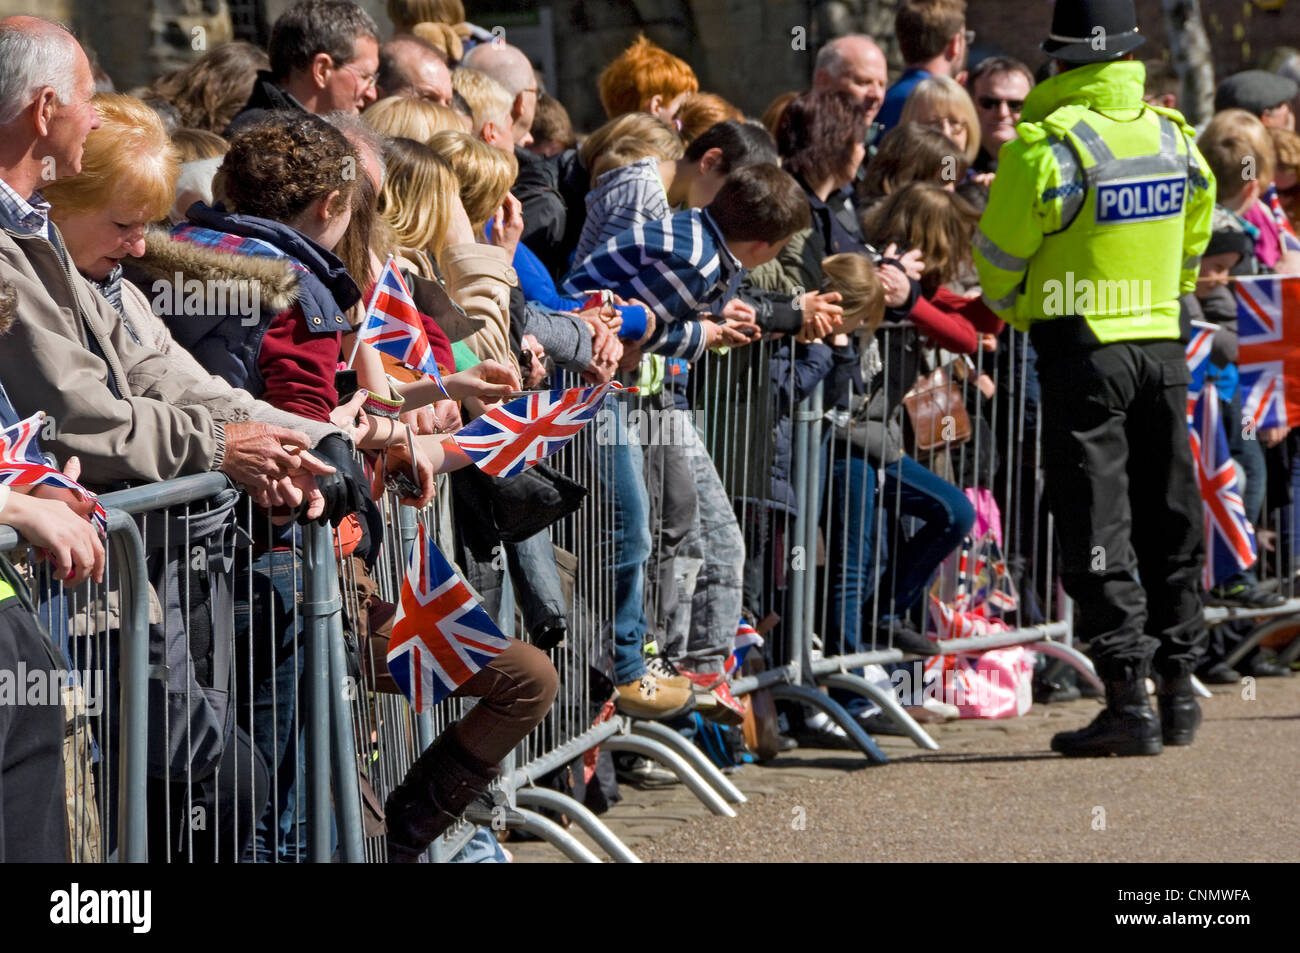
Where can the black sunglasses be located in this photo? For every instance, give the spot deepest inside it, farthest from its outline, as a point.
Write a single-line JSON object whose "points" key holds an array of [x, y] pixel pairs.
{"points": [[993, 102]]}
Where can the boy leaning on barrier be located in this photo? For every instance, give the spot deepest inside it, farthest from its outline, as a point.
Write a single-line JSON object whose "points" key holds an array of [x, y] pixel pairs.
{"points": [[33, 812]]}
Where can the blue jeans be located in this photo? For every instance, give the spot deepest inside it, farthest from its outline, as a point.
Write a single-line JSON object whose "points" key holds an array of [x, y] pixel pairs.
{"points": [[620, 472], [945, 517]]}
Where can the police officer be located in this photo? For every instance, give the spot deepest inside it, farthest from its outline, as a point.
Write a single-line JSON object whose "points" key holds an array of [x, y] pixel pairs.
{"points": [[1095, 226]]}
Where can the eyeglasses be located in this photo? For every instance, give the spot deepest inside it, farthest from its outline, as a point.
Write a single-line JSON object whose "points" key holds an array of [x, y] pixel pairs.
{"points": [[947, 125], [368, 79], [993, 102]]}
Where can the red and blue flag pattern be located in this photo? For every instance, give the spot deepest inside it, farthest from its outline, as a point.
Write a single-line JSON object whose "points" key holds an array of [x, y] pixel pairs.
{"points": [[21, 464], [393, 325], [512, 437], [1268, 358], [441, 635], [1229, 537]]}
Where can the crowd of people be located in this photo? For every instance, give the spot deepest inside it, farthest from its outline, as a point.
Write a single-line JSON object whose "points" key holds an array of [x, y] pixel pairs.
{"points": [[827, 238]]}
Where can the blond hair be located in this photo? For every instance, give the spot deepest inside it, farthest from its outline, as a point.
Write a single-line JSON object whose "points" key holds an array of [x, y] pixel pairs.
{"points": [[863, 296], [485, 173], [944, 97], [410, 118], [1232, 137], [406, 14], [488, 100], [419, 189], [442, 38], [129, 161], [628, 138]]}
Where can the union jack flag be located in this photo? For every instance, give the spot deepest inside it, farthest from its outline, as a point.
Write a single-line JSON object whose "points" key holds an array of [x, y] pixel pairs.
{"points": [[1268, 326], [21, 464], [1286, 235], [393, 325], [746, 638], [441, 636], [1229, 537], [1198, 355], [512, 437]]}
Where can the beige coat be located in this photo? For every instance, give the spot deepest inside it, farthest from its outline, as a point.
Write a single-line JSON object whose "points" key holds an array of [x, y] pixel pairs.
{"points": [[66, 353], [479, 279]]}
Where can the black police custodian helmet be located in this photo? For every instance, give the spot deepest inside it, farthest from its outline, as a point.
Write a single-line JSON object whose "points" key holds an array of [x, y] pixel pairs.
{"points": [[1092, 31]]}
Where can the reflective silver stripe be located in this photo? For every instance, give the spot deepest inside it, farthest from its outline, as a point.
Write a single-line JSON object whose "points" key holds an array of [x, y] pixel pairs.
{"points": [[1114, 169], [1001, 304], [1168, 137], [1093, 142], [996, 256], [1192, 264], [1071, 199]]}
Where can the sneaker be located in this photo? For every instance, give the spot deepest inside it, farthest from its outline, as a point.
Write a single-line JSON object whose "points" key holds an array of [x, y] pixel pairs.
{"points": [[643, 773], [648, 697], [666, 672], [1244, 595]]}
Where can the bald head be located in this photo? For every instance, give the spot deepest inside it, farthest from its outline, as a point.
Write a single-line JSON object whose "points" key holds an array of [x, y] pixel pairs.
{"points": [[853, 64], [408, 66], [511, 68]]}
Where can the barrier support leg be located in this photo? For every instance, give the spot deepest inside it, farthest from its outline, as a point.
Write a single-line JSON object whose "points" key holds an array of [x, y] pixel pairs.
{"points": [[133, 732], [347, 791], [556, 836], [317, 607], [675, 763], [888, 704], [591, 825], [721, 783], [1072, 657], [810, 696]]}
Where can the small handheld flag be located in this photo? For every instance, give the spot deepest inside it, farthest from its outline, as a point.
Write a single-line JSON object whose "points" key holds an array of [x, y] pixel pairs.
{"points": [[441, 636], [392, 325], [21, 464], [512, 437]]}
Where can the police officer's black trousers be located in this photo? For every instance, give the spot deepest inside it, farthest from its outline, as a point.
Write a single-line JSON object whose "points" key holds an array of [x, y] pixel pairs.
{"points": [[1122, 486]]}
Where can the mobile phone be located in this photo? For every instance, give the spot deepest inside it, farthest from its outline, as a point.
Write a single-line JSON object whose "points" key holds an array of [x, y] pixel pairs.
{"points": [[345, 382]]}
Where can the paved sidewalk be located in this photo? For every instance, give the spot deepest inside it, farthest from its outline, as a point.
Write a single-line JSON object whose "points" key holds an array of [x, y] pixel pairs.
{"points": [[996, 792]]}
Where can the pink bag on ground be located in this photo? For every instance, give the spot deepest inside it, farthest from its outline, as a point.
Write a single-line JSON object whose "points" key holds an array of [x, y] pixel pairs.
{"points": [[993, 684]]}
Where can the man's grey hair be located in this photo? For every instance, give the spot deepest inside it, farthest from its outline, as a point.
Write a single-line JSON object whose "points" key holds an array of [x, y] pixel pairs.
{"points": [[362, 135], [32, 58], [831, 59], [394, 79], [506, 64]]}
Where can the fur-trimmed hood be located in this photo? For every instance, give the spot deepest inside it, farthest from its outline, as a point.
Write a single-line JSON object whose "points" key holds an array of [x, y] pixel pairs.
{"points": [[166, 257]]}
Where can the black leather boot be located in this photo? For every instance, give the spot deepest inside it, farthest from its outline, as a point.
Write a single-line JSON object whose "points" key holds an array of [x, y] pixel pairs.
{"points": [[1180, 713], [440, 785], [1127, 726]]}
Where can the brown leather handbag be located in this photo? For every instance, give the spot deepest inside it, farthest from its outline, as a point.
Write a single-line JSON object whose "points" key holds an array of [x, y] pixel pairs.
{"points": [[937, 411]]}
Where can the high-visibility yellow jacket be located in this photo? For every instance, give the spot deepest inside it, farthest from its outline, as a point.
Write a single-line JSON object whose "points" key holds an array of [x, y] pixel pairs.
{"points": [[1100, 209]]}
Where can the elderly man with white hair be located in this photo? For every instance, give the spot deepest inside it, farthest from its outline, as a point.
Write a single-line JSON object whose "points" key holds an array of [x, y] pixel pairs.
{"points": [[855, 65], [116, 404], [510, 67]]}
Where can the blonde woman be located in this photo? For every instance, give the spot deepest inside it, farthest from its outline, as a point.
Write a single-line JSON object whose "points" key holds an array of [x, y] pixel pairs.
{"points": [[419, 188], [938, 102], [478, 269], [410, 118]]}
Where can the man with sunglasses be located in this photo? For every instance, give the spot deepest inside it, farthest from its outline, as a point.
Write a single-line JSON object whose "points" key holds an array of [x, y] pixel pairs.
{"points": [[999, 85], [324, 59]]}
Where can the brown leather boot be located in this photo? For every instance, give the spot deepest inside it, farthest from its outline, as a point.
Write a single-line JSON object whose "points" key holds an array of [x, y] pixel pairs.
{"points": [[440, 785]]}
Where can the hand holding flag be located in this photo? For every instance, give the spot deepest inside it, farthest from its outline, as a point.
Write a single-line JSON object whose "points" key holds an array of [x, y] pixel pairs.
{"points": [[512, 437], [441, 636], [21, 464], [393, 326]]}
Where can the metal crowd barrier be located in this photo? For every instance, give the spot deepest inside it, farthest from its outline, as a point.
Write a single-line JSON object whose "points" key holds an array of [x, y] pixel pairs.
{"points": [[339, 745]]}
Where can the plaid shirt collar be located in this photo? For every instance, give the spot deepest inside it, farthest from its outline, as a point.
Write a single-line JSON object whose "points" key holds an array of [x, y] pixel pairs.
{"points": [[29, 216]]}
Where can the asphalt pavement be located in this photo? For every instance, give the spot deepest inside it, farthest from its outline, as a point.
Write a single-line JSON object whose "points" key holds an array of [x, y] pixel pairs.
{"points": [[996, 792]]}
